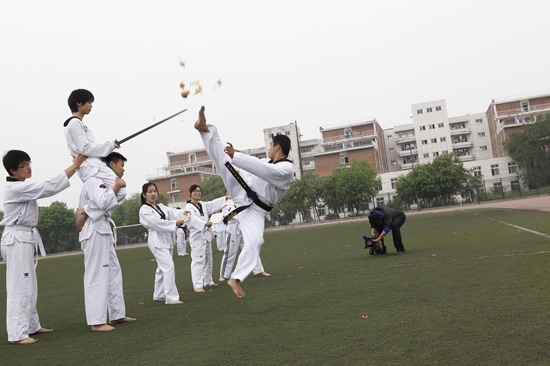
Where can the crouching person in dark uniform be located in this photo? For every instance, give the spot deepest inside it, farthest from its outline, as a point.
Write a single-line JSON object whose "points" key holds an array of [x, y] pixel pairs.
{"points": [[382, 220]]}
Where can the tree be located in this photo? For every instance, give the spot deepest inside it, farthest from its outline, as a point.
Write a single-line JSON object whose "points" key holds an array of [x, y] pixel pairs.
{"points": [[530, 149], [304, 194], [212, 188], [56, 225], [439, 180], [357, 184]]}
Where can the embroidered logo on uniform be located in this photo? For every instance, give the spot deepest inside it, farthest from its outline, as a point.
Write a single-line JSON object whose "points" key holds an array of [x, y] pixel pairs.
{"points": [[85, 127], [102, 186]]}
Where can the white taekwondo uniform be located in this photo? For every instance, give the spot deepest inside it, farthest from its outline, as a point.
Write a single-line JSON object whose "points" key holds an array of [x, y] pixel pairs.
{"points": [[20, 241], [81, 140], [181, 241], [269, 181], [103, 292], [161, 243], [200, 239]]}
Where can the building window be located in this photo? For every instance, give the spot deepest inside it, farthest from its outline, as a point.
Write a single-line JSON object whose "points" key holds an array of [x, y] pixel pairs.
{"points": [[497, 186], [270, 135], [477, 171], [392, 150], [434, 141], [393, 183], [479, 120], [393, 162], [322, 211], [424, 142], [348, 133], [442, 139], [441, 125], [494, 169], [436, 154], [481, 134], [432, 127], [483, 148], [389, 137], [344, 158], [422, 128], [445, 152], [525, 106], [309, 161], [438, 108], [174, 183], [419, 111], [514, 184], [175, 198], [379, 201], [426, 155], [192, 158], [429, 110], [512, 167]]}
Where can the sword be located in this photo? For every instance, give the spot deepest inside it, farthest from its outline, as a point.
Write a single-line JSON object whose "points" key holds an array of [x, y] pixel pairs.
{"points": [[147, 128]]}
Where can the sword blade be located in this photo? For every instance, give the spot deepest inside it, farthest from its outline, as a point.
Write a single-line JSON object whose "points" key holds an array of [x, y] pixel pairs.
{"points": [[119, 142]]}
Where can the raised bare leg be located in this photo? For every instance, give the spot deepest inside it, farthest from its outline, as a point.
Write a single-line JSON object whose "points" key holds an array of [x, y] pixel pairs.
{"points": [[200, 125], [236, 287]]}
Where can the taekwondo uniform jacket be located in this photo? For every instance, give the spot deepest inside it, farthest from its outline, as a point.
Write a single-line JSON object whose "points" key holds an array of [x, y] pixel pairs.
{"points": [[161, 231]]}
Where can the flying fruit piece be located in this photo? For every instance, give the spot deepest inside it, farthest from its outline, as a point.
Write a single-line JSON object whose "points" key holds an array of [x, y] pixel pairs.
{"points": [[195, 83], [198, 90], [185, 93], [182, 64], [219, 82], [182, 85]]}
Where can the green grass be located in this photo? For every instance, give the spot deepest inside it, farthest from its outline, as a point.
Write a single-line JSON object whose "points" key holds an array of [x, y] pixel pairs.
{"points": [[469, 291]]}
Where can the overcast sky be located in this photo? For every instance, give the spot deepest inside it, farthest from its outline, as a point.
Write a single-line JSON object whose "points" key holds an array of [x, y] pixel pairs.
{"points": [[320, 63]]}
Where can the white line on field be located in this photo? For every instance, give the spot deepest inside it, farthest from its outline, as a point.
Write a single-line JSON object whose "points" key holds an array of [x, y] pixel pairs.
{"points": [[518, 227]]}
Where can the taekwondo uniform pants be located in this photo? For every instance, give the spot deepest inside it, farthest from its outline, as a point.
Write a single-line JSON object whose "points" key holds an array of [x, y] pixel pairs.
{"points": [[22, 290], [201, 264], [181, 243], [103, 291], [165, 275], [251, 220]]}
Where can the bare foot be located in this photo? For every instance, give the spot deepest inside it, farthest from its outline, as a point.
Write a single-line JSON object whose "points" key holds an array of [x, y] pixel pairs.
{"points": [[102, 328], [200, 125], [26, 341], [236, 287], [177, 302], [42, 331], [264, 274], [213, 284], [199, 290], [126, 319], [222, 279], [81, 217]]}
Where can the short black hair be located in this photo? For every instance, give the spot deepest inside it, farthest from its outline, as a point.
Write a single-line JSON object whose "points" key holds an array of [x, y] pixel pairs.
{"points": [[283, 141], [81, 96], [144, 189], [115, 157], [193, 187], [13, 158]]}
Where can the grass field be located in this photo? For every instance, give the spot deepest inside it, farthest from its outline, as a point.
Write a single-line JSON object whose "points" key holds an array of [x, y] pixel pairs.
{"points": [[469, 291]]}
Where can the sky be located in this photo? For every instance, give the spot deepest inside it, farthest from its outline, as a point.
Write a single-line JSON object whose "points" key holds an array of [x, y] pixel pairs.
{"points": [[319, 63]]}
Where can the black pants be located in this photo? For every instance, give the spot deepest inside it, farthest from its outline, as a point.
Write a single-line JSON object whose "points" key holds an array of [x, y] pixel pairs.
{"points": [[396, 232]]}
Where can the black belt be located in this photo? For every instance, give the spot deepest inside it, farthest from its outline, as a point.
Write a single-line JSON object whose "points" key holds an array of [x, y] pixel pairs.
{"points": [[249, 192]]}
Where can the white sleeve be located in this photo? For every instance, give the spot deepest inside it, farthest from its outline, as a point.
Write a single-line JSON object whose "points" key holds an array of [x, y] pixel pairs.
{"points": [[279, 175], [214, 205], [31, 191], [77, 138], [151, 221], [103, 198]]}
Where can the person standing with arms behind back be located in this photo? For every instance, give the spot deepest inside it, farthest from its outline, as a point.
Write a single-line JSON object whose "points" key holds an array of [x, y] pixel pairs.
{"points": [[20, 241]]}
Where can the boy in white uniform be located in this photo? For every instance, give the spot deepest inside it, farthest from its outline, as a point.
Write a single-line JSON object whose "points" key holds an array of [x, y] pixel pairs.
{"points": [[103, 291], [269, 180], [20, 240]]}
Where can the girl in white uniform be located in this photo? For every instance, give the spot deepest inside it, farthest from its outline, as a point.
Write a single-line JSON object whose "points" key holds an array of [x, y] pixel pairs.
{"points": [[200, 237], [161, 221]]}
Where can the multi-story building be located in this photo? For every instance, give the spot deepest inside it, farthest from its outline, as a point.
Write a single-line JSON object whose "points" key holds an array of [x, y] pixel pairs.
{"points": [[509, 115]]}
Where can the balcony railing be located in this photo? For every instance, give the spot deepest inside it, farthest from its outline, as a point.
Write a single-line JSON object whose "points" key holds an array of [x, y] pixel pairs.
{"points": [[349, 137], [404, 139], [402, 153], [529, 109], [459, 131]]}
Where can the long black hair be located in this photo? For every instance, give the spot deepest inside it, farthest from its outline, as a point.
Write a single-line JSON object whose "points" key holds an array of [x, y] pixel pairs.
{"points": [[144, 189]]}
